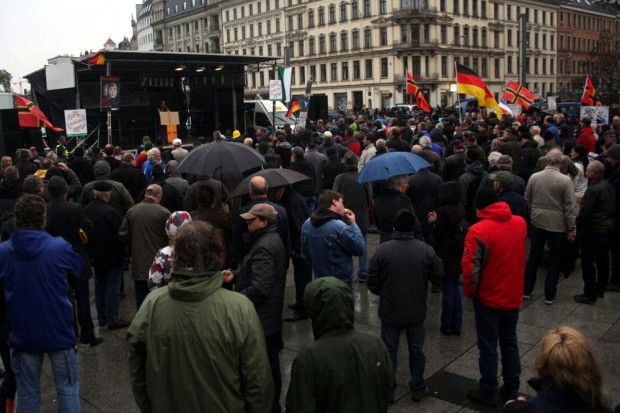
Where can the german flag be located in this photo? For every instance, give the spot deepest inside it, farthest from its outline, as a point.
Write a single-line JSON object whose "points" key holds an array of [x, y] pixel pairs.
{"points": [[294, 108], [98, 59], [515, 93], [589, 97], [469, 83], [31, 116], [413, 89]]}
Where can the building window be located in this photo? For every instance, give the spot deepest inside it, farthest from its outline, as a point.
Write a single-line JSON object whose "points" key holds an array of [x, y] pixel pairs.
{"points": [[553, 42], [483, 67], [496, 39], [251, 30], [277, 25], [442, 6], [475, 64], [242, 32], [403, 33], [508, 12], [544, 66], [457, 35], [322, 49], [384, 67], [356, 70], [312, 46], [333, 72], [483, 9], [302, 75], [443, 34], [345, 70], [509, 37], [332, 43], [496, 11], [313, 72], [455, 7], [323, 73], [444, 66], [484, 38], [344, 41], [300, 48], [466, 36], [509, 64], [343, 12], [355, 10], [268, 26], [235, 33], [300, 21], [535, 65], [367, 37], [311, 18], [382, 6], [384, 36], [368, 68], [332, 14], [475, 37], [367, 11], [474, 8], [497, 71], [321, 16], [465, 7], [356, 39], [290, 23]]}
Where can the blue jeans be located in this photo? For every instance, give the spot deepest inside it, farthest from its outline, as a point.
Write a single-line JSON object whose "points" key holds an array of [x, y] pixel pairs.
{"points": [[417, 360], [108, 294], [538, 239], [451, 305], [363, 260], [27, 368], [493, 325]]}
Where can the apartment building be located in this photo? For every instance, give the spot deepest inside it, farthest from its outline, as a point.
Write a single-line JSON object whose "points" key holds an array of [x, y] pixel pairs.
{"points": [[146, 39]]}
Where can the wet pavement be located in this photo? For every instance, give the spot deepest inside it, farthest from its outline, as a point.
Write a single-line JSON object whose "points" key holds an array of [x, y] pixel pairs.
{"points": [[452, 361]]}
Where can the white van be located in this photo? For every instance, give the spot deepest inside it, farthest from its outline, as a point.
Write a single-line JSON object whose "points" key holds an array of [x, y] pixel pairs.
{"points": [[259, 114]]}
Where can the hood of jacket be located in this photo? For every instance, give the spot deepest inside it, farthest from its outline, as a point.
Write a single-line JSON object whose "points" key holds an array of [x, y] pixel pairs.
{"points": [[102, 170], [499, 211], [28, 243], [449, 193], [475, 168], [321, 216], [189, 284], [329, 304]]}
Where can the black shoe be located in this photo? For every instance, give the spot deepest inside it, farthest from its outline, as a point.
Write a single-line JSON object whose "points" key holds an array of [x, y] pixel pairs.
{"points": [[507, 395], [297, 316], [294, 307], [93, 342], [583, 299], [420, 394], [475, 396]]}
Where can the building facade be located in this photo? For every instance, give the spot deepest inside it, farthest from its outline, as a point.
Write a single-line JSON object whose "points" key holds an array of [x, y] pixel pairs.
{"points": [[357, 52], [146, 39]]}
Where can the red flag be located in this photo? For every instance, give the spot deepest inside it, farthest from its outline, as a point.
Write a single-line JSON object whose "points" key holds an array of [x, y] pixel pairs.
{"points": [[468, 82], [294, 108], [413, 89], [98, 59], [31, 116], [589, 97], [515, 93]]}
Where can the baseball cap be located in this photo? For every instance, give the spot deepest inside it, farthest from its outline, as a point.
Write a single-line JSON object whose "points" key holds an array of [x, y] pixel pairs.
{"points": [[503, 177], [263, 210]]}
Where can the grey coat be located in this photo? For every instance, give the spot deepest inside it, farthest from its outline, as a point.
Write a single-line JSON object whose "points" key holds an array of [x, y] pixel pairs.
{"points": [[551, 198]]}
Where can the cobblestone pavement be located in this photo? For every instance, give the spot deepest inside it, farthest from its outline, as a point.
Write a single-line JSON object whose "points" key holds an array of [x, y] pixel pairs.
{"points": [[452, 361]]}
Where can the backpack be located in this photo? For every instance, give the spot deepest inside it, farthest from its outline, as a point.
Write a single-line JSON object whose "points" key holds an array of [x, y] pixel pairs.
{"points": [[456, 243]]}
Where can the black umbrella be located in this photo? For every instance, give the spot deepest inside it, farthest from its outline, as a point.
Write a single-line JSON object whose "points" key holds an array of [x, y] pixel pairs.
{"points": [[274, 177], [221, 158]]}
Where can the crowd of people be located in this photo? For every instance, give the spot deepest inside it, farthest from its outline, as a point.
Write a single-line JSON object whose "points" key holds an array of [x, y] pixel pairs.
{"points": [[209, 271]]}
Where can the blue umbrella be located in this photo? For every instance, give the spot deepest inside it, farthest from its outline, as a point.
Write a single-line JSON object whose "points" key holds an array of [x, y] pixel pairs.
{"points": [[391, 164]]}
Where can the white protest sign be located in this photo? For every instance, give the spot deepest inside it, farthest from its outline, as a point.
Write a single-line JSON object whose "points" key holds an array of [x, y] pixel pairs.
{"points": [[275, 90], [75, 122]]}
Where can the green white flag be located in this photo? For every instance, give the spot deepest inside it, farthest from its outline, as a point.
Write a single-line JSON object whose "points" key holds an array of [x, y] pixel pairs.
{"points": [[285, 74]]}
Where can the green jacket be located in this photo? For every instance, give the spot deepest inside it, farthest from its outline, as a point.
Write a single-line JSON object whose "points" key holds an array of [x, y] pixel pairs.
{"points": [[195, 347], [343, 370]]}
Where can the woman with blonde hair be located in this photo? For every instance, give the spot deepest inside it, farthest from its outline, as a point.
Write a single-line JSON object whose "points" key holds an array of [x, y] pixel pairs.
{"points": [[569, 377]]}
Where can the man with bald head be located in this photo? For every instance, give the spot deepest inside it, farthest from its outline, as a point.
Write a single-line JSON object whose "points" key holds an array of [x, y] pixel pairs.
{"points": [[258, 189], [144, 228]]}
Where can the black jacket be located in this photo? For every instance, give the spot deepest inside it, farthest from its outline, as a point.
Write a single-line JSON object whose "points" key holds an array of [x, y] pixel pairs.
{"points": [[518, 204], [386, 206], [262, 274], [297, 211], [446, 228], [356, 196], [399, 273], [454, 166], [307, 187], [131, 178], [105, 249], [598, 208], [422, 192]]}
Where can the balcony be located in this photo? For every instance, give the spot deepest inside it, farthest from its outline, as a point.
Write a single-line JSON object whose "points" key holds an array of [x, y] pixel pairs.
{"points": [[419, 45], [429, 78], [497, 26], [427, 15]]}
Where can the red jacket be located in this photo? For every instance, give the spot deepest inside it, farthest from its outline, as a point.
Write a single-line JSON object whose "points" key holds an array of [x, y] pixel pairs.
{"points": [[587, 139], [354, 146], [494, 258]]}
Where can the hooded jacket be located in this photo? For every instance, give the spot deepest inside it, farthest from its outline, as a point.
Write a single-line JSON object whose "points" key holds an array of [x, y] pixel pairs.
{"points": [[494, 258], [194, 346], [120, 197], [399, 273], [34, 268], [328, 244], [587, 138], [343, 370]]}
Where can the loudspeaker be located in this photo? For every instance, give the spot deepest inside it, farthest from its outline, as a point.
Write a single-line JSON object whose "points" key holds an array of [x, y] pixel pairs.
{"points": [[318, 107]]}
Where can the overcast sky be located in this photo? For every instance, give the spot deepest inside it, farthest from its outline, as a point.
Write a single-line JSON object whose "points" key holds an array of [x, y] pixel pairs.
{"points": [[35, 30]]}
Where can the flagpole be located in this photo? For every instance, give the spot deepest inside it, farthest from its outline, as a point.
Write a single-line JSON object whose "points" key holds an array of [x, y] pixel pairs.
{"points": [[406, 92], [458, 104]]}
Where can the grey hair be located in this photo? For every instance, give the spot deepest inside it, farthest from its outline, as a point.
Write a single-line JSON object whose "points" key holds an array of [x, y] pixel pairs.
{"points": [[597, 168], [151, 154], [425, 142], [494, 157], [535, 130], [554, 157]]}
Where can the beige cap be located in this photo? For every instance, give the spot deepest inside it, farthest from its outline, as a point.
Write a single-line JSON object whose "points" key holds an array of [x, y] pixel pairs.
{"points": [[263, 210]]}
